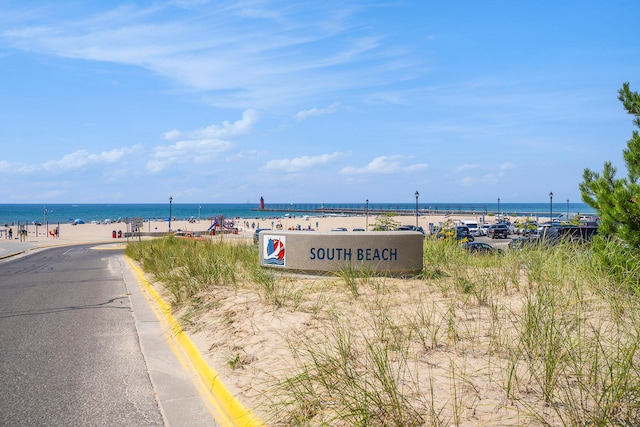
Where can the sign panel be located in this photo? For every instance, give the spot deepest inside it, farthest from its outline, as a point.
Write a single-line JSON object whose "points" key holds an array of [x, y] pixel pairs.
{"points": [[394, 252]]}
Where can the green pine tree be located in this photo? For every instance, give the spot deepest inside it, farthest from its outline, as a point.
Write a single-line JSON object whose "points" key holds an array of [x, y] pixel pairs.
{"points": [[617, 200]]}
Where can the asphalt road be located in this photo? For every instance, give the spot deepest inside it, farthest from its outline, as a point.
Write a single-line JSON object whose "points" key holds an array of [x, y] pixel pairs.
{"points": [[498, 243], [71, 351]]}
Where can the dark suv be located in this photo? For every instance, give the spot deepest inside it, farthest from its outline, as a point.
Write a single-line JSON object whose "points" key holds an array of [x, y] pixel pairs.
{"points": [[462, 232], [498, 231]]}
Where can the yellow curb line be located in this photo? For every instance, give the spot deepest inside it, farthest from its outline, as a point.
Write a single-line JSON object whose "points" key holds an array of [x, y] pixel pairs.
{"points": [[109, 247], [229, 411]]}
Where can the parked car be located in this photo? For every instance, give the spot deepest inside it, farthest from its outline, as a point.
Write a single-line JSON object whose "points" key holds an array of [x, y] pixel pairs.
{"points": [[527, 228], [256, 234], [410, 228], [358, 229], [339, 229], [521, 242], [381, 228], [498, 231], [479, 247]]}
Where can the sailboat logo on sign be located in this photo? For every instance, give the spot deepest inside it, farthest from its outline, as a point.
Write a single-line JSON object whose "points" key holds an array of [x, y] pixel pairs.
{"points": [[274, 251]]}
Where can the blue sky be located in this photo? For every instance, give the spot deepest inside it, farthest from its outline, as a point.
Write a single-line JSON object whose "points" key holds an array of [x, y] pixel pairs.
{"points": [[300, 101]]}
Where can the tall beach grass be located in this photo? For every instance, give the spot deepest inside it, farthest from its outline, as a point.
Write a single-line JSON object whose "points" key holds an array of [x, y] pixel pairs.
{"points": [[547, 335]]}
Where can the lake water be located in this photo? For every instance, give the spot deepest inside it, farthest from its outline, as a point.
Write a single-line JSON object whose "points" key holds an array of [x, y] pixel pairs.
{"points": [[63, 213]]}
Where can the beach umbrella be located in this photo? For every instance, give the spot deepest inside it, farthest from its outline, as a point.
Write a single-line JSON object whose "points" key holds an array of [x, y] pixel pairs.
{"points": [[78, 221]]}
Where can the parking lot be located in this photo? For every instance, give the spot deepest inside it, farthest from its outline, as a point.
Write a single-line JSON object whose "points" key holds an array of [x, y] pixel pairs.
{"points": [[497, 243]]}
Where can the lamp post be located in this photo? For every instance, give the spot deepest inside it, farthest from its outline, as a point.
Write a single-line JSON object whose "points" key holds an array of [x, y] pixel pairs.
{"points": [[567, 209], [550, 207], [170, 212], [498, 214], [417, 194], [366, 216]]}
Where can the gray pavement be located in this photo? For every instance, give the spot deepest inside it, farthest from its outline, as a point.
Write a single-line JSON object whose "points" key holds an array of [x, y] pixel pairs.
{"points": [[12, 247], [177, 392], [181, 401]]}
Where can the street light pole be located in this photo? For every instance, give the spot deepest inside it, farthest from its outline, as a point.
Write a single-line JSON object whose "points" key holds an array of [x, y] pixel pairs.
{"points": [[550, 207], [170, 212], [498, 214], [366, 215], [417, 194], [567, 209]]}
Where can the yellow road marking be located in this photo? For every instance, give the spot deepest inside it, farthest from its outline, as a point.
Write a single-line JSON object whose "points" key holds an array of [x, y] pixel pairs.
{"points": [[228, 411]]}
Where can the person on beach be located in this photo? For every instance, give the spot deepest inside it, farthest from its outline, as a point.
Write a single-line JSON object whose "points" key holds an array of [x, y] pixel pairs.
{"points": [[11, 234]]}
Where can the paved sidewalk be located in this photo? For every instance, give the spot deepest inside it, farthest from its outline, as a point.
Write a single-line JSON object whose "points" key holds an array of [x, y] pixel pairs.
{"points": [[13, 247]]}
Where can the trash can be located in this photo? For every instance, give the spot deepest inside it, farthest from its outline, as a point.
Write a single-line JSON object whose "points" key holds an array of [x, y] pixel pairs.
{"points": [[113, 234], [119, 234]]}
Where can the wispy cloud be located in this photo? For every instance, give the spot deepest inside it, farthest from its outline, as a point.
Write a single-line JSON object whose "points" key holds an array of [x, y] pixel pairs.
{"points": [[506, 166], [298, 164], [496, 174], [467, 167], [385, 165], [468, 181], [78, 160], [304, 114], [11, 168], [191, 151], [255, 55]]}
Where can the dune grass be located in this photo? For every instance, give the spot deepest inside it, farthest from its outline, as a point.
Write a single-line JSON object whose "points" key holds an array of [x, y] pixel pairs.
{"points": [[547, 335]]}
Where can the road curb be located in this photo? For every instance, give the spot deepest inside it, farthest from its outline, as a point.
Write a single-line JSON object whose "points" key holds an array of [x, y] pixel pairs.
{"points": [[228, 411]]}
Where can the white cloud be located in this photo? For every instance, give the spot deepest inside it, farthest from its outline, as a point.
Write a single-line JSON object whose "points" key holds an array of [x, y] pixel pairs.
{"points": [[201, 145], [304, 114], [298, 164], [226, 130], [385, 165], [81, 158]]}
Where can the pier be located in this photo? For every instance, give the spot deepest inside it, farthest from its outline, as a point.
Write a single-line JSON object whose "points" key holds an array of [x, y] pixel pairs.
{"points": [[337, 209], [382, 209]]}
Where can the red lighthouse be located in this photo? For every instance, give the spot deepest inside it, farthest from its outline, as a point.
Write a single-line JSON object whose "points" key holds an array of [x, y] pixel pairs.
{"points": [[261, 203]]}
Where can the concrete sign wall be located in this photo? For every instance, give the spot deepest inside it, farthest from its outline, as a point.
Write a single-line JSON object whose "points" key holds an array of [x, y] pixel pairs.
{"points": [[393, 252]]}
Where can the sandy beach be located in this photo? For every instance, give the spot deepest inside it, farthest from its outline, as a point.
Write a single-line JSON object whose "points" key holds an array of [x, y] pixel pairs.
{"points": [[42, 236]]}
